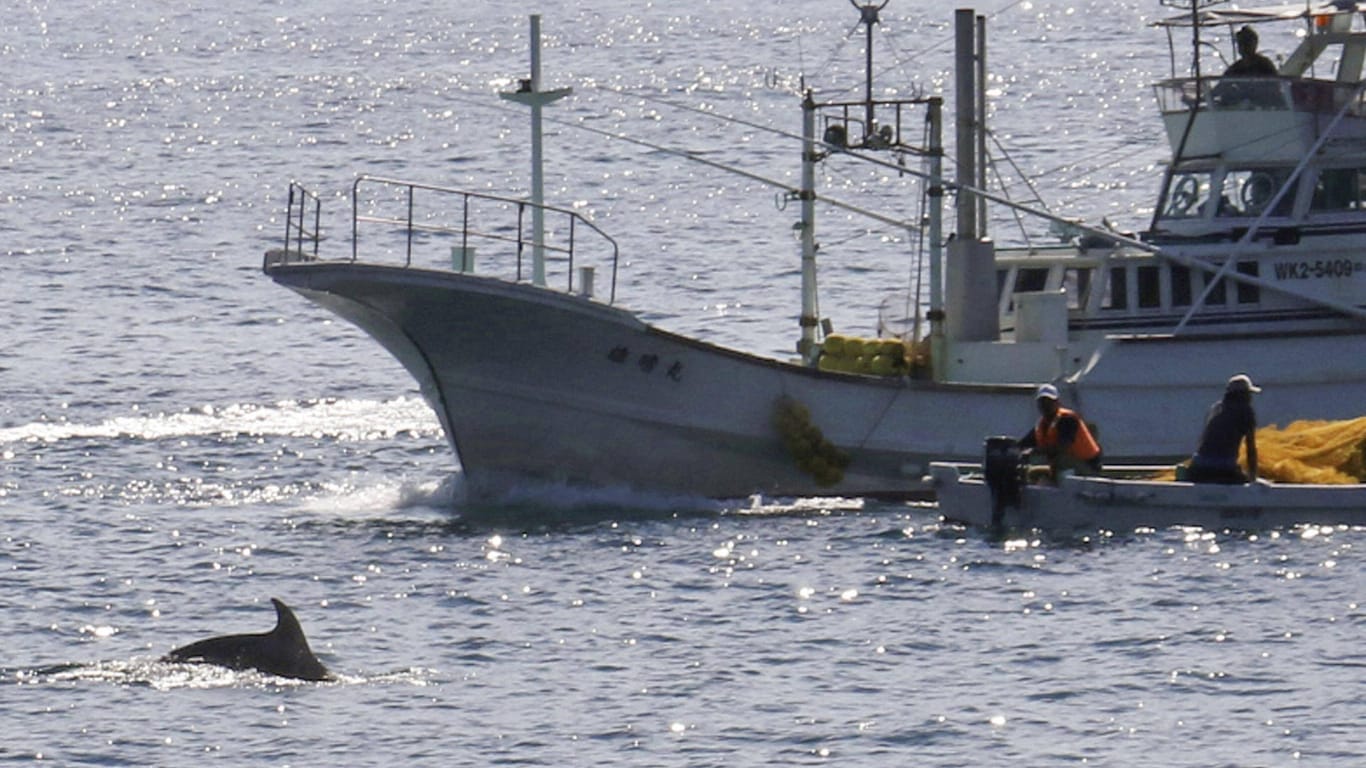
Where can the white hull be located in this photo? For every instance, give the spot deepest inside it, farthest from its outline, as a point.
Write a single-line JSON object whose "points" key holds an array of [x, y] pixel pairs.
{"points": [[1123, 505], [526, 383], [1251, 265], [531, 382]]}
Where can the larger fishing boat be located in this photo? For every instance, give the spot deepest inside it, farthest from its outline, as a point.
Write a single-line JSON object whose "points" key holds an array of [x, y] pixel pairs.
{"points": [[1253, 262]]}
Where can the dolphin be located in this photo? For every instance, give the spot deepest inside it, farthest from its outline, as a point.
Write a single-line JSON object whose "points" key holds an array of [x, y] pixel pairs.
{"points": [[283, 651]]}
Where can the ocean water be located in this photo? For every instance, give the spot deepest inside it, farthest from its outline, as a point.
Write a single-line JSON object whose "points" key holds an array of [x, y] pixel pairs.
{"points": [[181, 440]]}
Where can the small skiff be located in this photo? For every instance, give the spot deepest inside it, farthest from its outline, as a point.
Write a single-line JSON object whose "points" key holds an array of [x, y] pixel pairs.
{"points": [[1125, 500]]}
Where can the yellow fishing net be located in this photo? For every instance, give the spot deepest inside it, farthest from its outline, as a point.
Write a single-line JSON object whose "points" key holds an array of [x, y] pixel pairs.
{"points": [[1315, 452], [1319, 452]]}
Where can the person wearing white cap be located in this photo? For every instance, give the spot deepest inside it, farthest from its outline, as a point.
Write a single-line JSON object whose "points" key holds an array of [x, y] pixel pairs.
{"points": [[1062, 436], [1231, 423]]}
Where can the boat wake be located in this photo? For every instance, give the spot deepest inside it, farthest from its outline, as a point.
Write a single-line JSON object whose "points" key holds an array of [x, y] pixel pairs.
{"points": [[521, 502], [575, 500]]}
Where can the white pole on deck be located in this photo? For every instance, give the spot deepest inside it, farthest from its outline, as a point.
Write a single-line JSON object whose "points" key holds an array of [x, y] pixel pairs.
{"points": [[529, 93], [936, 235], [810, 319]]}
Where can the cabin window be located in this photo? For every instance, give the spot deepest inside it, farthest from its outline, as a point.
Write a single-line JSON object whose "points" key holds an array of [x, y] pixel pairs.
{"points": [[1217, 294], [1333, 58], [1077, 284], [1249, 192], [1027, 279], [1187, 195], [1338, 189], [1149, 287], [1117, 289], [1247, 292], [1031, 279], [1181, 286]]}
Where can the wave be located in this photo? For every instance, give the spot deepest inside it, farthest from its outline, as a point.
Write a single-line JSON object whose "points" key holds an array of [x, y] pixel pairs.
{"points": [[165, 676], [342, 420]]}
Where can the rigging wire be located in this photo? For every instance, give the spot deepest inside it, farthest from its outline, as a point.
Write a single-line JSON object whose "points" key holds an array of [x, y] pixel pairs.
{"points": [[1110, 236], [834, 54], [995, 168], [788, 187], [904, 59]]}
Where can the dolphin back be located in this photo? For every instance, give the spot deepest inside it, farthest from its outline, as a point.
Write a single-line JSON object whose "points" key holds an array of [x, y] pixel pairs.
{"points": [[283, 651]]}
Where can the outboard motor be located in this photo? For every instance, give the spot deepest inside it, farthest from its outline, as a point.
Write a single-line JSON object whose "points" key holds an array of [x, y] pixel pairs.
{"points": [[1001, 469]]}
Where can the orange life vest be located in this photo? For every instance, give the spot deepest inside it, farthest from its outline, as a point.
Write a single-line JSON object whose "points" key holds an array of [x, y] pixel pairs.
{"points": [[1084, 447]]}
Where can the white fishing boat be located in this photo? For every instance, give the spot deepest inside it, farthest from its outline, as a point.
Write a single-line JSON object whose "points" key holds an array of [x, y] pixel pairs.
{"points": [[1253, 262], [1128, 500]]}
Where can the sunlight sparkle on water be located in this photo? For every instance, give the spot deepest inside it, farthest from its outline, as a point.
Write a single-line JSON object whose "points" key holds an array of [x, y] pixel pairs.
{"points": [[350, 420], [101, 632]]}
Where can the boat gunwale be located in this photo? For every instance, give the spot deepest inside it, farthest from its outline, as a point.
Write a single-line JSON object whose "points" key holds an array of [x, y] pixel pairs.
{"points": [[493, 285]]}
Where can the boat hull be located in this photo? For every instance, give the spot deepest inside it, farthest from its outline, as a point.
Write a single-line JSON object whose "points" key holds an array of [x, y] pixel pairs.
{"points": [[1123, 505], [530, 382], [535, 383]]}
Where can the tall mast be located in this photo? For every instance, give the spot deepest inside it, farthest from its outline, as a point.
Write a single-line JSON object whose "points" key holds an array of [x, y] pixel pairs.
{"points": [[837, 139], [970, 267], [529, 93], [966, 105], [868, 16]]}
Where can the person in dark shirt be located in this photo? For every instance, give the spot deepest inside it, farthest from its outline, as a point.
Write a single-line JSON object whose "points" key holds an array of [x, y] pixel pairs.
{"points": [[1231, 422], [1249, 63], [1234, 90], [1062, 437]]}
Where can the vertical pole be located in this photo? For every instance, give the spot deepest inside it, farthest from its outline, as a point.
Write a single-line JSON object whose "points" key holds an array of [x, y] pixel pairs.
{"points": [[1195, 47], [935, 117], [810, 318], [868, 21], [970, 265], [981, 103], [409, 262], [965, 99], [529, 93], [537, 172], [289, 221], [317, 222]]}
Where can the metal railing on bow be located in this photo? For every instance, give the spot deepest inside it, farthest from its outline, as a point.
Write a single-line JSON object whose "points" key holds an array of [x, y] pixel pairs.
{"points": [[298, 232], [415, 220], [424, 226]]}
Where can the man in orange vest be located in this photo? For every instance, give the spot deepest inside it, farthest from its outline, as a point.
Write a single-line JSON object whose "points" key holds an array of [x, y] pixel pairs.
{"points": [[1062, 437]]}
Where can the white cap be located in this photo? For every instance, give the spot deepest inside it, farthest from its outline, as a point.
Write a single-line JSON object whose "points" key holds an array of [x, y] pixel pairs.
{"points": [[1241, 383], [1047, 391]]}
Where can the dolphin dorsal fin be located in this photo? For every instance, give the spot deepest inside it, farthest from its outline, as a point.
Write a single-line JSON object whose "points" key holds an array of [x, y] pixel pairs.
{"points": [[294, 657], [287, 625]]}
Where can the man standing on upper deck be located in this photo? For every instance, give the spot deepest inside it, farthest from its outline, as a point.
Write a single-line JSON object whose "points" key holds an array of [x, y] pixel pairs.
{"points": [[1249, 63]]}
